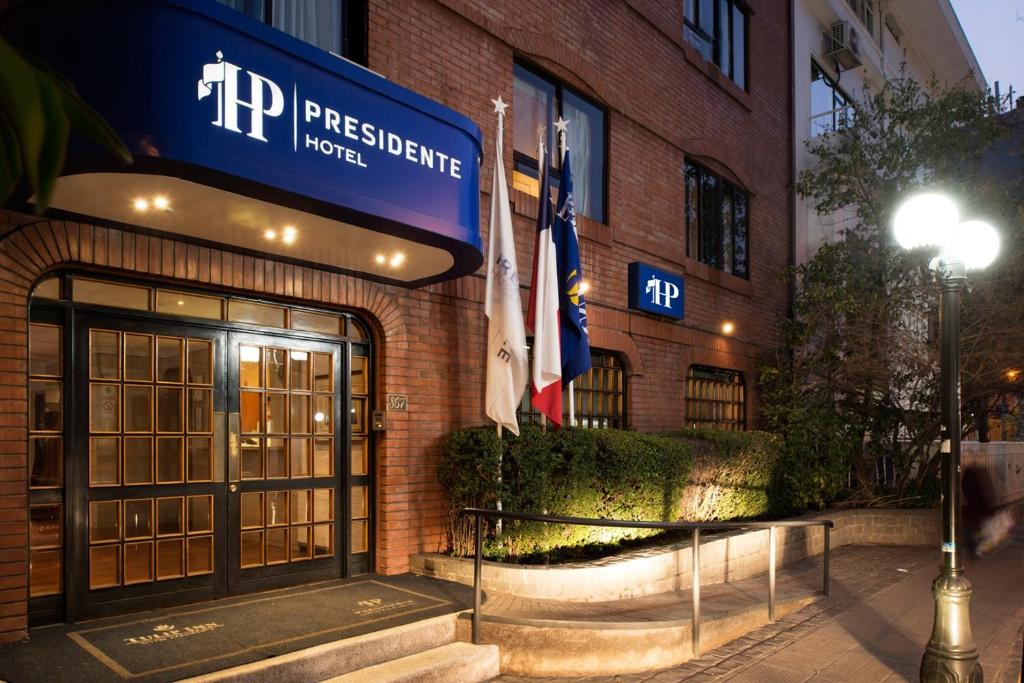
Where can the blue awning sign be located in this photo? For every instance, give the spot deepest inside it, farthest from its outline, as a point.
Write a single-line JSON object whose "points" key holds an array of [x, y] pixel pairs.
{"points": [[221, 108]]}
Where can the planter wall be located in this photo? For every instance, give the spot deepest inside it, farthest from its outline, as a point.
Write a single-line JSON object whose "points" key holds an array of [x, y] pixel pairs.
{"points": [[723, 557]]}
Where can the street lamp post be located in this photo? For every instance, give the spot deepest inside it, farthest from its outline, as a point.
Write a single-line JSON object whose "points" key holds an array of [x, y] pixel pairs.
{"points": [[932, 220]]}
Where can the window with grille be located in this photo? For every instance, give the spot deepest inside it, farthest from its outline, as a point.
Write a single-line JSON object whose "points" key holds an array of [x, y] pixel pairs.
{"points": [[715, 398], [600, 395]]}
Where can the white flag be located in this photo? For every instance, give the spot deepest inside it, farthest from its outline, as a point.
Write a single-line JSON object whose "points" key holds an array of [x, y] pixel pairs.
{"points": [[507, 365]]}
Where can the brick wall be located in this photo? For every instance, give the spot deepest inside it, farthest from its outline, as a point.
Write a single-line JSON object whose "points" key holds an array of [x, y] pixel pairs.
{"points": [[664, 104]]}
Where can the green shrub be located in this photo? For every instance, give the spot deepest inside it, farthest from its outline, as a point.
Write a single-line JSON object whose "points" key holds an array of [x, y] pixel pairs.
{"points": [[573, 472], [469, 473], [735, 474]]}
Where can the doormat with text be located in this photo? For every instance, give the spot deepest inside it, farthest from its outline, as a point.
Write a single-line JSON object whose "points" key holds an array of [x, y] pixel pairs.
{"points": [[174, 643]]}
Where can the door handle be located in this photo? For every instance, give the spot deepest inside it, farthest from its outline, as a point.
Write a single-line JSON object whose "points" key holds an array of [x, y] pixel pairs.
{"points": [[219, 429], [233, 488], [234, 447]]}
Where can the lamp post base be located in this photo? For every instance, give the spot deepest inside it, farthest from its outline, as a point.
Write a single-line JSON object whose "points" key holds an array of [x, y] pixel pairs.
{"points": [[951, 656]]}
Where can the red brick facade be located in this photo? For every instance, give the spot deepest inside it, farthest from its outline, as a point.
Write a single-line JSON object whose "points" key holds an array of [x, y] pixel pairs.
{"points": [[664, 104]]}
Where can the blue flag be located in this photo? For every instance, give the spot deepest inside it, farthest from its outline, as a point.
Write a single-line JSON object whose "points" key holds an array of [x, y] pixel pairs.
{"points": [[572, 307]]}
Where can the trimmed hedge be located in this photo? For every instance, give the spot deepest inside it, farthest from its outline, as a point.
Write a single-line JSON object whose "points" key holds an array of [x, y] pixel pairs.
{"points": [[736, 475], [575, 472]]}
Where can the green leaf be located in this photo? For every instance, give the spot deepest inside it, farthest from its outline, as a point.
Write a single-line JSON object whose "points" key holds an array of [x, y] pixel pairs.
{"points": [[10, 162], [55, 142], [22, 105]]}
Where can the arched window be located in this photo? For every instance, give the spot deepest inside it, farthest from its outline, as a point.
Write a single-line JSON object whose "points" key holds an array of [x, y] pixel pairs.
{"points": [[715, 398], [600, 394]]}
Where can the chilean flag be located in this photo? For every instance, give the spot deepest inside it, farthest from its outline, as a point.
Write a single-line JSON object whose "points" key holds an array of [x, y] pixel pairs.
{"points": [[542, 316]]}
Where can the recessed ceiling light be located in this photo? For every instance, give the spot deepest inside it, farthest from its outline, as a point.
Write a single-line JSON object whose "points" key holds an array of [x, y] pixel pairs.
{"points": [[270, 234], [397, 259], [140, 204], [381, 259], [181, 302], [162, 203], [288, 234], [728, 328]]}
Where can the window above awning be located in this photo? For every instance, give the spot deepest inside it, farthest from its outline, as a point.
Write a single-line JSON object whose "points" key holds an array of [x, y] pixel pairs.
{"points": [[246, 136]]}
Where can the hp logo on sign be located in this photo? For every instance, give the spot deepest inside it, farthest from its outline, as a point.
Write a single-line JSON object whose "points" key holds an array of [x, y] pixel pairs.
{"points": [[662, 293], [265, 97]]}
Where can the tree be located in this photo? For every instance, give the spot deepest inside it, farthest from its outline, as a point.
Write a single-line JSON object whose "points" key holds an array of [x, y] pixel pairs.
{"points": [[38, 109], [861, 364]]}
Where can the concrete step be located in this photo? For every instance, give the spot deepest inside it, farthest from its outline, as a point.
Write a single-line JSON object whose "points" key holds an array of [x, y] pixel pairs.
{"points": [[539, 637], [570, 648], [453, 663], [343, 656]]}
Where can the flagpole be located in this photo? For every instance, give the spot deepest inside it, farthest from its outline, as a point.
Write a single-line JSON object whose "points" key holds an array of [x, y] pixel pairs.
{"points": [[541, 159], [499, 140], [572, 392]]}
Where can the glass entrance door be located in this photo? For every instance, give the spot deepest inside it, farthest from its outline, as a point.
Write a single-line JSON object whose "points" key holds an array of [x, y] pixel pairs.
{"points": [[145, 462], [286, 437], [205, 461]]}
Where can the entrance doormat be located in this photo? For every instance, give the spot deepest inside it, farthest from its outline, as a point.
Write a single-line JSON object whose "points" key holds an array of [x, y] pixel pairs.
{"points": [[171, 644]]}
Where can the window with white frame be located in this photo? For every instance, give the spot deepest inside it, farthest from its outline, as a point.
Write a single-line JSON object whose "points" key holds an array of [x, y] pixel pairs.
{"points": [[831, 108]]}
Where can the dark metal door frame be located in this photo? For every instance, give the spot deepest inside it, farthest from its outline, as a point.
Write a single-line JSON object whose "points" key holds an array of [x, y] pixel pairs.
{"points": [[81, 601], [274, 576]]}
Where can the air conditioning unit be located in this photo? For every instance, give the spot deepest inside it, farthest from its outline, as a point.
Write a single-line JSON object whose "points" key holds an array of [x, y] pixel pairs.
{"points": [[842, 43]]}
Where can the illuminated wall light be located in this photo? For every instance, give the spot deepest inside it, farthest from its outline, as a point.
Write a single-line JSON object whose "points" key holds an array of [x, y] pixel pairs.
{"points": [[584, 287], [161, 203], [381, 259], [270, 234], [728, 328], [288, 234], [398, 259], [140, 204], [319, 417], [1012, 375]]}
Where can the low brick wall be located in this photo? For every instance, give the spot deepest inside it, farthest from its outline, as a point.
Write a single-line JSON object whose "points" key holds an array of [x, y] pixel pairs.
{"points": [[723, 557]]}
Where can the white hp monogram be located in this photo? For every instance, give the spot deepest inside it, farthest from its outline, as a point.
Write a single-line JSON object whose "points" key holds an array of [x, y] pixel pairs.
{"points": [[224, 76], [662, 293]]}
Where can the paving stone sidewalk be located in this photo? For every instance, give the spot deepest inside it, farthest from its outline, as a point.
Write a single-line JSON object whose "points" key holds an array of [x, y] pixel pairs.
{"points": [[873, 628]]}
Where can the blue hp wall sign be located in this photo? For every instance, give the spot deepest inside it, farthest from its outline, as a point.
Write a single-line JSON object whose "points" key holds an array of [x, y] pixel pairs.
{"points": [[655, 291]]}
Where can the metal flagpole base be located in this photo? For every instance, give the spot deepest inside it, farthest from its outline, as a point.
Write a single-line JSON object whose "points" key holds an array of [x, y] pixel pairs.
{"points": [[951, 655]]}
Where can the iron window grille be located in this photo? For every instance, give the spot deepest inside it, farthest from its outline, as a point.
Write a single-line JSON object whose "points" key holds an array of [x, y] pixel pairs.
{"points": [[715, 398], [600, 395]]}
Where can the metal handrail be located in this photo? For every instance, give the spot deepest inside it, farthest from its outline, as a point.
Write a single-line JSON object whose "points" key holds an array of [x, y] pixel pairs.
{"points": [[479, 513]]}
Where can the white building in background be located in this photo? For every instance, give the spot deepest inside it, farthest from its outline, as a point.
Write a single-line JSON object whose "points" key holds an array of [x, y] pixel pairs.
{"points": [[839, 46]]}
